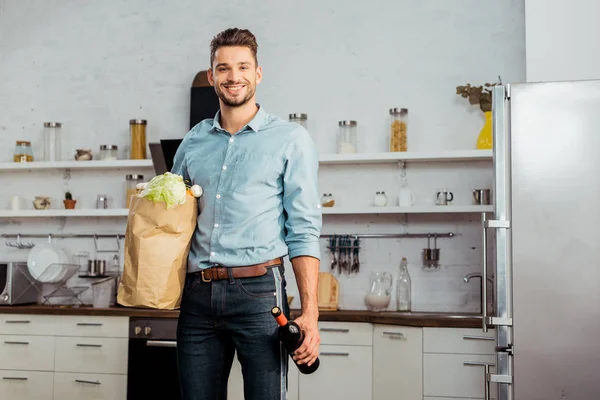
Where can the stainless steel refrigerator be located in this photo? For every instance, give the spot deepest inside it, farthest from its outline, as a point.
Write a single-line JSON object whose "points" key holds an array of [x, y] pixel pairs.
{"points": [[543, 242]]}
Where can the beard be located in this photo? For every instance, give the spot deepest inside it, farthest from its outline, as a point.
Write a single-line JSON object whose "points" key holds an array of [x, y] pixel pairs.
{"points": [[235, 102]]}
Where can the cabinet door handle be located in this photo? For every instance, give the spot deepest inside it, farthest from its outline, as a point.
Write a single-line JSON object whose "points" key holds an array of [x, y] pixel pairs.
{"points": [[15, 378], [17, 322], [331, 353], [87, 382], [88, 345], [12, 342], [486, 371], [161, 343], [88, 324], [335, 330], [475, 337], [395, 335]]}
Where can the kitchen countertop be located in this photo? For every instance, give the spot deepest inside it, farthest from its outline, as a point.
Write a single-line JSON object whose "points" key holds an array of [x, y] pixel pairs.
{"points": [[422, 319]]}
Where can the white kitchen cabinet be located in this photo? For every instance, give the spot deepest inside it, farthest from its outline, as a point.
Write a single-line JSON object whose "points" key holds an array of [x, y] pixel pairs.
{"points": [[26, 385], [397, 362], [79, 386], [448, 355], [345, 373]]}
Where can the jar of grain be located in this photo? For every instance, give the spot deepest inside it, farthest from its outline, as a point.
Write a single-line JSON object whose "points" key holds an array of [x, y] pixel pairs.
{"points": [[23, 152], [300, 119], [327, 200], [108, 152], [131, 182], [398, 137], [51, 141], [137, 131], [347, 139]]}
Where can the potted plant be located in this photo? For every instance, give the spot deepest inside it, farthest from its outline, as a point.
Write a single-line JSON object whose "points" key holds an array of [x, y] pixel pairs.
{"points": [[69, 202], [482, 96]]}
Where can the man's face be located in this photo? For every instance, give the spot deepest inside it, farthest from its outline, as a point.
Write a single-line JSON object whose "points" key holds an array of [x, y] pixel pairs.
{"points": [[234, 75]]}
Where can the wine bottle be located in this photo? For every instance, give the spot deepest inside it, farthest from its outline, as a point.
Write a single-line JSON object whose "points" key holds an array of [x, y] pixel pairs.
{"points": [[291, 337]]}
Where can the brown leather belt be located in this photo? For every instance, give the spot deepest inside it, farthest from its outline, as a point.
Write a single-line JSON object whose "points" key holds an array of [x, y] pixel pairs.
{"points": [[250, 271]]}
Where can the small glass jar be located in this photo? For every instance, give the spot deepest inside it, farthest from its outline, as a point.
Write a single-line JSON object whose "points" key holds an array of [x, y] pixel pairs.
{"points": [[380, 199], [51, 141], [347, 139], [131, 182], [137, 131], [108, 152], [327, 200], [23, 152], [300, 119], [398, 137]]}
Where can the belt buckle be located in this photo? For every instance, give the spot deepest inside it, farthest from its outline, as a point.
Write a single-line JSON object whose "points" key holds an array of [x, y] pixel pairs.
{"points": [[203, 278]]}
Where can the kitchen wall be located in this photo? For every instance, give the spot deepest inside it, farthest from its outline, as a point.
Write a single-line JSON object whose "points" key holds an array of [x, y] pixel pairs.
{"points": [[95, 65], [561, 41]]}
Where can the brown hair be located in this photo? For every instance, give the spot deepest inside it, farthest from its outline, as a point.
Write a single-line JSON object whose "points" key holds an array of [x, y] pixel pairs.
{"points": [[234, 37]]}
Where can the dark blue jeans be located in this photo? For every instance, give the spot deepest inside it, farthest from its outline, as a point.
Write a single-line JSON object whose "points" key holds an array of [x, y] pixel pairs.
{"points": [[231, 315]]}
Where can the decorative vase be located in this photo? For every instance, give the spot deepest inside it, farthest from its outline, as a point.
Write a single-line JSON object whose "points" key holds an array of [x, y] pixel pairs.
{"points": [[69, 204], [485, 141]]}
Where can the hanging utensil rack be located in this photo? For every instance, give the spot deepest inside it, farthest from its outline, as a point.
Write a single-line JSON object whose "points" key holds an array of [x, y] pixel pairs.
{"points": [[50, 236]]}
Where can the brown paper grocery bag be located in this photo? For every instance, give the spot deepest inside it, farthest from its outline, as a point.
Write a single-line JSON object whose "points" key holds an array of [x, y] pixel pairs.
{"points": [[157, 243]]}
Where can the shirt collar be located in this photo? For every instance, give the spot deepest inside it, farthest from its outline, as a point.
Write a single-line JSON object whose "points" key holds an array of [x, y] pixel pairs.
{"points": [[254, 124]]}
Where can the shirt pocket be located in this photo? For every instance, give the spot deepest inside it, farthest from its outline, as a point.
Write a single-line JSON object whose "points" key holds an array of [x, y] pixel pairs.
{"points": [[253, 173]]}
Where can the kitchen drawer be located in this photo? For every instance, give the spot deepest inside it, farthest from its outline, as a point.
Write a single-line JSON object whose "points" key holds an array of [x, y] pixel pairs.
{"points": [[458, 341], [31, 353], [26, 385], [346, 333], [445, 375], [76, 386], [91, 355], [116, 327], [23, 324]]}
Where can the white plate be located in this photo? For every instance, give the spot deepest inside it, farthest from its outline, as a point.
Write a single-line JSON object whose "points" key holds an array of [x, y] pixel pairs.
{"points": [[41, 257]]}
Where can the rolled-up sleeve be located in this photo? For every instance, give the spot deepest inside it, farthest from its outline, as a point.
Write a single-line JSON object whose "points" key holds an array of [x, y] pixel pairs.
{"points": [[301, 200]]}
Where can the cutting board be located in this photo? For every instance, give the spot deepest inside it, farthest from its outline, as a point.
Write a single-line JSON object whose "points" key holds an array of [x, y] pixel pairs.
{"points": [[328, 292]]}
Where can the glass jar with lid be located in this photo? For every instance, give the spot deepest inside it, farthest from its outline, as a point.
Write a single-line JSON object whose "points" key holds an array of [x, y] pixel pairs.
{"points": [[131, 181], [108, 152], [398, 136], [23, 152], [347, 139], [300, 119], [51, 141], [380, 199], [137, 131], [327, 200]]}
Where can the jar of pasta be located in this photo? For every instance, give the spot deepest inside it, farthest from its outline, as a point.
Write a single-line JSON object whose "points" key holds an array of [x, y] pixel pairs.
{"points": [[398, 137], [137, 131]]}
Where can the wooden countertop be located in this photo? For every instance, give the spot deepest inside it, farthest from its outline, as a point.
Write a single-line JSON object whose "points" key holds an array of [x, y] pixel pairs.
{"points": [[422, 319]]}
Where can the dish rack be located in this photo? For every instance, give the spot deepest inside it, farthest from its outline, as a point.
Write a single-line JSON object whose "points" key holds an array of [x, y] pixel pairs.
{"points": [[55, 277]]}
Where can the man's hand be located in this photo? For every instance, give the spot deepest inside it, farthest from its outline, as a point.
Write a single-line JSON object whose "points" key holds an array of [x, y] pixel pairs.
{"points": [[308, 351]]}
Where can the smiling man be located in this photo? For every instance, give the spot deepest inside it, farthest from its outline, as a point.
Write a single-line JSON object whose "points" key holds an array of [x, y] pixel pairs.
{"points": [[260, 203]]}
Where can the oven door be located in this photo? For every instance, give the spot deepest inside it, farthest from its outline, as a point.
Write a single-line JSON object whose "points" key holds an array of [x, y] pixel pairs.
{"points": [[152, 367]]}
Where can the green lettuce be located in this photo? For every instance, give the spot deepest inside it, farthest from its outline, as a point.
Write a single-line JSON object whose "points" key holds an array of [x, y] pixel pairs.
{"points": [[168, 188]]}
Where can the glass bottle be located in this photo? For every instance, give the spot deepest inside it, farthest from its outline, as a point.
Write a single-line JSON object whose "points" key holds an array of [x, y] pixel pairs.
{"points": [[300, 119], [51, 141], [398, 137], [403, 288], [23, 152], [347, 139], [137, 131]]}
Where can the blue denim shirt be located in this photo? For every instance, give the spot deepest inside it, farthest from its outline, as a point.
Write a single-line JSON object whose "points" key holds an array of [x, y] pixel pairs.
{"points": [[260, 199]]}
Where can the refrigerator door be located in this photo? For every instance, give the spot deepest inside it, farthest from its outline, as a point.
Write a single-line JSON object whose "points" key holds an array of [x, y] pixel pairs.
{"points": [[555, 228]]}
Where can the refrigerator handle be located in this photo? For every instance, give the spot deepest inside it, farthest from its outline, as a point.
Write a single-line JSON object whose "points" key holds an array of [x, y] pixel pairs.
{"points": [[484, 274]]}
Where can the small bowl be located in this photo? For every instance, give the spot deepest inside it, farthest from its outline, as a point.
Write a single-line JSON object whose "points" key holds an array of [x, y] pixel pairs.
{"points": [[83, 155], [42, 203]]}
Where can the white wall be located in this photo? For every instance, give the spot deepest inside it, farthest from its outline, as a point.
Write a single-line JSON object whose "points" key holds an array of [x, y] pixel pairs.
{"points": [[562, 40], [95, 65]]}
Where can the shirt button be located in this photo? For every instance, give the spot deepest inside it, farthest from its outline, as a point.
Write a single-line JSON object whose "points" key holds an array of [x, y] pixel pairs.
{"points": [[212, 253], [224, 167], [218, 196], [231, 140], [216, 225]]}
